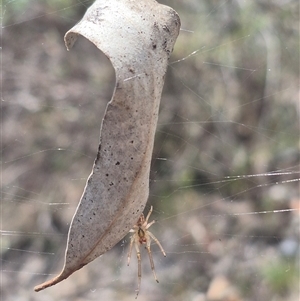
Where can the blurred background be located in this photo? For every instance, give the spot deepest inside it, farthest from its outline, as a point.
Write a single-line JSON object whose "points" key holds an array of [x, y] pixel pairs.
{"points": [[225, 170]]}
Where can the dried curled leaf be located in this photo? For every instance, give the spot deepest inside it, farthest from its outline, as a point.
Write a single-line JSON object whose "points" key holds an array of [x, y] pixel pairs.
{"points": [[138, 38]]}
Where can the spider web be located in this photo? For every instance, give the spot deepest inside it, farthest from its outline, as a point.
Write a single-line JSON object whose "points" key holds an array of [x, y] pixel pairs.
{"points": [[225, 171]]}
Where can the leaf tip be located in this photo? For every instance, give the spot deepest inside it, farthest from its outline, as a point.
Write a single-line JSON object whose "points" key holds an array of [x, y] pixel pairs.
{"points": [[63, 275]]}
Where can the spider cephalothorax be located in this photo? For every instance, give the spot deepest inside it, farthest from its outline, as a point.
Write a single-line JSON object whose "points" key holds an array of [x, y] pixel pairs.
{"points": [[140, 236]]}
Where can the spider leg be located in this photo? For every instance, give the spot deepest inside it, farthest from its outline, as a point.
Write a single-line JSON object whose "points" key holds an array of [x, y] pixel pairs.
{"points": [[138, 255], [148, 215], [150, 224], [130, 249], [151, 258], [157, 242]]}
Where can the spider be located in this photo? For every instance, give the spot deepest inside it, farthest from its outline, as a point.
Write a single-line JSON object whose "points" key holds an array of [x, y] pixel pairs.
{"points": [[143, 236]]}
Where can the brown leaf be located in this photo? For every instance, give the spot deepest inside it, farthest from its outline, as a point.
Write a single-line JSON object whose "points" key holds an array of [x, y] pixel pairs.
{"points": [[138, 38]]}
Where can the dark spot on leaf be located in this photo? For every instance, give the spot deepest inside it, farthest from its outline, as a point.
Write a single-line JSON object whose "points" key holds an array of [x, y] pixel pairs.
{"points": [[166, 28]]}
